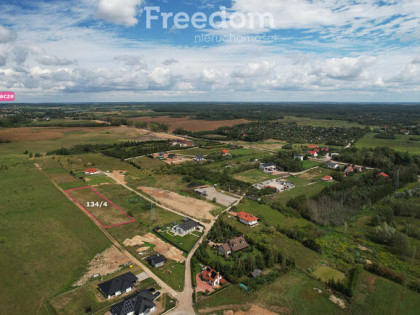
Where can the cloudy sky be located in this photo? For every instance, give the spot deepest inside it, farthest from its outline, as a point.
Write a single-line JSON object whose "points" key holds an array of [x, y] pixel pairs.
{"points": [[303, 50]]}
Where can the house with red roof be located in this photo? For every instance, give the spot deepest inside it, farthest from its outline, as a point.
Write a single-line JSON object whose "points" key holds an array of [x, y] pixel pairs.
{"points": [[224, 152], [327, 178], [348, 170], [91, 171], [247, 218], [382, 174], [211, 276], [312, 153], [312, 146]]}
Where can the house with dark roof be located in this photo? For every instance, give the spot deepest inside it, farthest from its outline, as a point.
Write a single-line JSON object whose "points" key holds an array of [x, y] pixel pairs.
{"points": [[268, 167], [186, 227], [234, 245], [119, 285], [139, 304], [199, 158], [157, 260], [211, 276], [333, 165]]}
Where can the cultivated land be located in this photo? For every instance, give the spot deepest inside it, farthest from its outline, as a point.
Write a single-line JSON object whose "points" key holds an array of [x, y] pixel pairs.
{"points": [[48, 244], [403, 143], [191, 124]]}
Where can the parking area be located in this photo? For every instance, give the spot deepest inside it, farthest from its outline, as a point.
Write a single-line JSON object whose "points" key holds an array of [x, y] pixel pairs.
{"points": [[220, 198]]}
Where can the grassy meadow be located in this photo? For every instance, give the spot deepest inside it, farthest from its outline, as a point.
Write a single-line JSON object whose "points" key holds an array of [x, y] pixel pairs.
{"points": [[401, 143]]}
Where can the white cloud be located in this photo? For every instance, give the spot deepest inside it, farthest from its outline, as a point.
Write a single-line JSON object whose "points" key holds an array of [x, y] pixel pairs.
{"points": [[55, 61], [344, 68], [6, 34], [121, 12]]}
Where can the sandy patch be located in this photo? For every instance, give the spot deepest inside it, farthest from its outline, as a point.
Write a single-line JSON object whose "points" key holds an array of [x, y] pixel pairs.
{"points": [[107, 262], [338, 301], [161, 247], [120, 176], [192, 124], [190, 206]]}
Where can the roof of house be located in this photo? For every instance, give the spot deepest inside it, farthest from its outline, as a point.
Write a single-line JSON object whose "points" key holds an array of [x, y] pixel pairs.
{"points": [[118, 284], [311, 152], [246, 216], [224, 151], [270, 164], [139, 304], [226, 248], [200, 156], [349, 169], [382, 174], [256, 273], [326, 178], [188, 225], [331, 164], [209, 274], [91, 170], [312, 146], [156, 259], [238, 243]]}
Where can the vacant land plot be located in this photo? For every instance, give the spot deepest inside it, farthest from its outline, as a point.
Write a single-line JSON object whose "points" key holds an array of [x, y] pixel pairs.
{"points": [[99, 207], [190, 206], [192, 124], [160, 246], [253, 176], [105, 263], [401, 143], [218, 197], [46, 240]]}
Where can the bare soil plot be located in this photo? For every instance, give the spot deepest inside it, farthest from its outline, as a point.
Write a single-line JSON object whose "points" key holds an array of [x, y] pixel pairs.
{"points": [[314, 174], [190, 206], [161, 247], [105, 263], [99, 208], [192, 124]]}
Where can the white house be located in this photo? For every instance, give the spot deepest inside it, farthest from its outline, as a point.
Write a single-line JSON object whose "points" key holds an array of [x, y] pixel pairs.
{"points": [[247, 219], [185, 228], [268, 167]]}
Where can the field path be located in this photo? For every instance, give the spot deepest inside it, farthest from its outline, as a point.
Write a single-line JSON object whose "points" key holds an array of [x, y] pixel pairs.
{"points": [[162, 284]]}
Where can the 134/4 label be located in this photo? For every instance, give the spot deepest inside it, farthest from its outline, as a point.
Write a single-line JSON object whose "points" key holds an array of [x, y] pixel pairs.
{"points": [[97, 204]]}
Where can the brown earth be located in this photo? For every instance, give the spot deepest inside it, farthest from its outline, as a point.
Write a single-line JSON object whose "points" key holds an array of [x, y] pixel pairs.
{"points": [[192, 124], [190, 206], [107, 262], [120, 176], [252, 309], [161, 247]]}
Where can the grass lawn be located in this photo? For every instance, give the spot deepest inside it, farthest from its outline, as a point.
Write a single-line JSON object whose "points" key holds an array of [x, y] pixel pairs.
{"points": [[307, 164], [326, 273], [381, 296], [308, 190], [47, 240], [173, 273], [401, 143], [253, 176], [291, 293], [183, 242]]}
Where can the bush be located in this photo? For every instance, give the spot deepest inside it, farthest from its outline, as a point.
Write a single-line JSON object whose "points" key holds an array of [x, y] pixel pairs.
{"points": [[387, 273]]}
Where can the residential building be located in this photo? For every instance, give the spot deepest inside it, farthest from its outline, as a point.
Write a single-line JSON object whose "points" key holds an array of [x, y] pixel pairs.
{"points": [[348, 170], [186, 227], [139, 304], [91, 171], [199, 158], [333, 165], [157, 260], [118, 285], [383, 175], [234, 245], [312, 153], [247, 219], [327, 178], [211, 276], [268, 167], [224, 152], [298, 157]]}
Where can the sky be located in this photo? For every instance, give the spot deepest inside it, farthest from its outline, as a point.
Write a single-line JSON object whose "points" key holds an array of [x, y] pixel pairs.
{"points": [[236, 50]]}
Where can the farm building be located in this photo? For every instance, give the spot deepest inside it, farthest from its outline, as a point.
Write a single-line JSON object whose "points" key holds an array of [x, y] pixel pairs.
{"points": [[233, 245], [247, 219], [157, 260], [119, 285], [91, 171], [186, 227], [268, 167], [211, 276], [138, 304]]}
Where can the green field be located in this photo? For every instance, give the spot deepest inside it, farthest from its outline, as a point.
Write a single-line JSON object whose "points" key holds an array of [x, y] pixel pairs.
{"points": [[46, 240], [173, 273], [319, 122], [292, 294], [185, 243], [253, 176], [326, 273], [401, 143]]}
